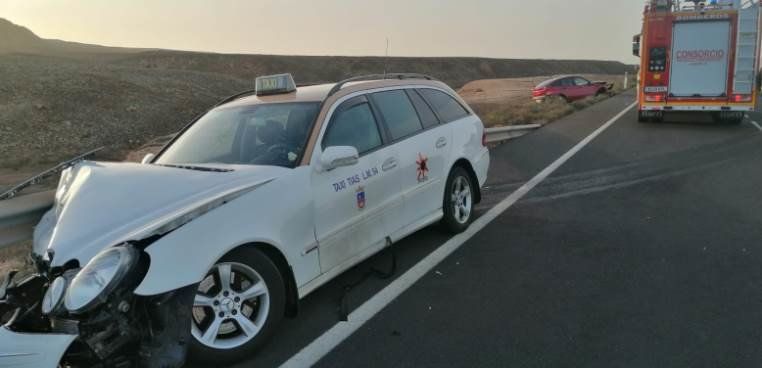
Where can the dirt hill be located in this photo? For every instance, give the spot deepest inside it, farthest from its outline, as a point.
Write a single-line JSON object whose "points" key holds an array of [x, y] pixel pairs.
{"points": [[61, 98], [18, 39]]}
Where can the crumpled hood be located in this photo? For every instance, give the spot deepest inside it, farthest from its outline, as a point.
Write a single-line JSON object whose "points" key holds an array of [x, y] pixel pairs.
{"points": [[104, 204]]}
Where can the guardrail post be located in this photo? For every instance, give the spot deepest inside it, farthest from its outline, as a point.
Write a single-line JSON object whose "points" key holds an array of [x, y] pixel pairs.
{"points": [[626, 74]]}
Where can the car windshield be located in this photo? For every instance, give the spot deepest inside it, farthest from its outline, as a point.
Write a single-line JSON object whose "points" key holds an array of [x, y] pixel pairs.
{"points": [[267, 134]]}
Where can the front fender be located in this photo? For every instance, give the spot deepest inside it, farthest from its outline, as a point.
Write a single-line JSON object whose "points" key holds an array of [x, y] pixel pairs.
{"points": [[27, 350], [279, 214]]}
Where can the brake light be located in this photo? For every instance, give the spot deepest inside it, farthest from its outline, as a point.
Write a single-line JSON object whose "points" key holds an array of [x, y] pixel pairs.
{"points": [[741, 98], [655, 98], [484, 139]]}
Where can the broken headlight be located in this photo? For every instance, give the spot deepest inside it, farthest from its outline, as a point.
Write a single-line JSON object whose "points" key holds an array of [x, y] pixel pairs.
{"points": [[100, 276], [54, 295]]}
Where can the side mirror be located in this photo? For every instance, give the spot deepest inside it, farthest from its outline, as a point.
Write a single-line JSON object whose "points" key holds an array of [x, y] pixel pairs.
{"points": [[148, 158], [338, 156], [636, 45]]}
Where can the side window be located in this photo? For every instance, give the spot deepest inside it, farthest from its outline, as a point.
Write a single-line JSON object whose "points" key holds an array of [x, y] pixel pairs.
{"points": [[581, 81], [353, 125], [424, 111], [444, 105], [398, 112]]}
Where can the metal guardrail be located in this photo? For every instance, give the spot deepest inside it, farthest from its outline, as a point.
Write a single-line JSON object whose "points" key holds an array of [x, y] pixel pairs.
{"points": [[495, 135], [19, 215]]}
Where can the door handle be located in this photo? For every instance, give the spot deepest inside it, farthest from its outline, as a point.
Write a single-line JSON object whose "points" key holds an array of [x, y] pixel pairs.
{"points": [[389, 164], [441, 142]]}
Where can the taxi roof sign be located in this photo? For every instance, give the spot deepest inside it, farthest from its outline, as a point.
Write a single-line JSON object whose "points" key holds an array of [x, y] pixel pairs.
{"points": [[275, 84]]}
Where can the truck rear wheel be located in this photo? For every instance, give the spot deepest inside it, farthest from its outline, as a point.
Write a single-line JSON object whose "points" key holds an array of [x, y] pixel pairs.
{"points": [[728, 117], [650, 116], [641, 117]]}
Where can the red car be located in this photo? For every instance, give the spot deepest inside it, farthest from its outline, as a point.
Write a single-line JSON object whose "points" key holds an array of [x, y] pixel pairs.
{"points": [[570, 88]]}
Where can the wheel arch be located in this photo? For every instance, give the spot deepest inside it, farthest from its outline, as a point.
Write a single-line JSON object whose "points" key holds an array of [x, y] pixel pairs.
{"points": [[280, 261], [466, 165]]}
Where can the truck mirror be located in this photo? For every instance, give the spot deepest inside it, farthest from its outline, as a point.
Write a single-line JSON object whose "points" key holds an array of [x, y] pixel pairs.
{"points": [[636, 45]]}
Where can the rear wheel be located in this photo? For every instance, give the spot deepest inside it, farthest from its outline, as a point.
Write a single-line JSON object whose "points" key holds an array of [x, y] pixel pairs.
{"points": [[727, 117], [458, 201], [641, 117], [237, 307]]}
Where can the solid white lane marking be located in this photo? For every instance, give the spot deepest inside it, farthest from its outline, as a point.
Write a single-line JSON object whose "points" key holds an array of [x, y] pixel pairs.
{"points": [[756, 125], [316, 350]]}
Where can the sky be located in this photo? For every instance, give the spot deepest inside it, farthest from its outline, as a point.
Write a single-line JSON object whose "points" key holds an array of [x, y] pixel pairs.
{"points": [[546, 29]]}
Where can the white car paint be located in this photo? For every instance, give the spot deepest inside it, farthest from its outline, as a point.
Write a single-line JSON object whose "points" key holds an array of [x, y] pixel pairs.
{"points": [[296, 211], [90, 216], [319, 231], [26, 350]]}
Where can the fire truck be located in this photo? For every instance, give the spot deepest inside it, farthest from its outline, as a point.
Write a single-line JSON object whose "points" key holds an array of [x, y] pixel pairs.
{"points": [[698, 56]]}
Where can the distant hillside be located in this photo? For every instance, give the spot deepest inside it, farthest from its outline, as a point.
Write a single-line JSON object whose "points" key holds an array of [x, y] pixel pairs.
{"points": [[61, 98], [454, 71], [15, 39]]}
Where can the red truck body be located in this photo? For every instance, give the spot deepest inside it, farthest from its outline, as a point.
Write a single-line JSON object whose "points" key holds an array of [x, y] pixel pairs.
{"points": [[698, 57]]}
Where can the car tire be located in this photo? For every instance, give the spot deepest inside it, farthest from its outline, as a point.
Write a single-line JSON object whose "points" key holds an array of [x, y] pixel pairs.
{"points": [[234, 343], [458, 204], [735, 121]]}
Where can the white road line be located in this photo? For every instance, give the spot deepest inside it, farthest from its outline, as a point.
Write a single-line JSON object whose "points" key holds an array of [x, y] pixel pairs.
{"points": [[317, 349], [756, 125]]}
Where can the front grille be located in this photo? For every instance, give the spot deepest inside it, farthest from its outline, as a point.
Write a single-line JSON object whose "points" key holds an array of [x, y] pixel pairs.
{"points": [[66, 326]]}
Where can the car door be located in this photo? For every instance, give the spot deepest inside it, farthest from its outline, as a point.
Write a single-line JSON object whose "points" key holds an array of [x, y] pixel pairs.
{"points": [[584, 87], [353, 204], [423, 146], [569, 89]]}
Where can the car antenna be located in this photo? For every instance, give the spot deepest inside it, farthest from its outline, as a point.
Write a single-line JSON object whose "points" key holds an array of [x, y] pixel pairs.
{"points": [[386, 57]]}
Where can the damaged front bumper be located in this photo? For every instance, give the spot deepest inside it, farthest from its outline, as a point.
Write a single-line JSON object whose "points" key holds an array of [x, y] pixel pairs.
{"points": [[33, 350], [122, 330]]}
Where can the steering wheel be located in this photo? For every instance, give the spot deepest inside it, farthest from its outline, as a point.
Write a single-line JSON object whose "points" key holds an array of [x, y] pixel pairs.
{"points": [[277, 148]]}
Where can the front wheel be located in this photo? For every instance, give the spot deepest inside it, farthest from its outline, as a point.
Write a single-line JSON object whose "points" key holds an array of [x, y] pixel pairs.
{"points": [[237, 307], [458, 201]]}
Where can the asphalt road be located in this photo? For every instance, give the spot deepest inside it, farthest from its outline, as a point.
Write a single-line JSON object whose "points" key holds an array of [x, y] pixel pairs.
{"points": [[643, 250]]}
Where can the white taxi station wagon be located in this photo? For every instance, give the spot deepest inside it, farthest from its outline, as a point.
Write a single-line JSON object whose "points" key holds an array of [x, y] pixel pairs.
{"points": [[206, 246]]}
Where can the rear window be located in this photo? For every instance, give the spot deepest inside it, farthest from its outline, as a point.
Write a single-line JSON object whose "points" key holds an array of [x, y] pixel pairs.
{"points": [[399, 115], [444, 105], [548, 83]]}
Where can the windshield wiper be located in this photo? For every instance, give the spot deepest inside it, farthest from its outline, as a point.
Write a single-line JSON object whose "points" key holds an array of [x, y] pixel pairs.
{"points": [[197, 168]]}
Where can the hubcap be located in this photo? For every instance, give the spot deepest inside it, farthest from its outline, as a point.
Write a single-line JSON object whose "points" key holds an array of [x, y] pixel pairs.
{"points": [[461, 199], [231, 306]]}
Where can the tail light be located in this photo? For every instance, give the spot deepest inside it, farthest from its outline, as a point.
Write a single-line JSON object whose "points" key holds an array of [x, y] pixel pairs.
{"points": [[655, 97], [484, 139], [540, 91], [741, 98]]}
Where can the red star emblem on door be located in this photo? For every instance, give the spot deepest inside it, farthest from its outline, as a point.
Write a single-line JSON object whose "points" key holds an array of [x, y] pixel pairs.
{"points": [[423, 167]]}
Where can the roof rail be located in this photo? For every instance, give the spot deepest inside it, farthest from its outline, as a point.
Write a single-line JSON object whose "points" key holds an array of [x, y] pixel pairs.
{"points": [[400, 76]]}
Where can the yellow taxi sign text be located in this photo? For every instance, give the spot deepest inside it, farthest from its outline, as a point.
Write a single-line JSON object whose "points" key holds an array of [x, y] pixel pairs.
{"points": [[275, 84]]}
